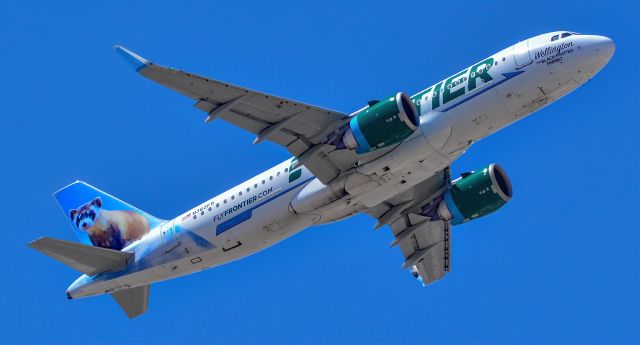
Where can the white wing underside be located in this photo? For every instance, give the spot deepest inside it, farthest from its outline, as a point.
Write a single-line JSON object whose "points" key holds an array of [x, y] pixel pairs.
{"points": [[302, 129], [425, 243]]}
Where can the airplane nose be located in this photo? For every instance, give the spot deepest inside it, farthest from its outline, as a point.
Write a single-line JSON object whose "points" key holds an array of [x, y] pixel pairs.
{"points": [[604, 47]]}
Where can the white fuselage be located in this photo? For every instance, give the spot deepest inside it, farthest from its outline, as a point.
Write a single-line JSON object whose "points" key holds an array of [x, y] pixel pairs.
{"points": [[285, 199]]}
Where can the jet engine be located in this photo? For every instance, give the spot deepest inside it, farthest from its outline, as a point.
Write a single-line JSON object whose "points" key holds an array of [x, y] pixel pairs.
{"points": [[383, 123], [475, 194]]}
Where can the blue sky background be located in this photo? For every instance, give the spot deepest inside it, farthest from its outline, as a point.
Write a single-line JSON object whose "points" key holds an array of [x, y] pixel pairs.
{"points": [[559, 264]]}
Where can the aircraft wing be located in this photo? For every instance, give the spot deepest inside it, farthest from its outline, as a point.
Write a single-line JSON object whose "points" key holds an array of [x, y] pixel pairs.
{"points": [[300, 128], [424, 242]]}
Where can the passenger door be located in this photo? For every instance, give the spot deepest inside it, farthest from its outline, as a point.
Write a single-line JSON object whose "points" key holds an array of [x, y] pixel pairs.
{"points": [[521, 54]]}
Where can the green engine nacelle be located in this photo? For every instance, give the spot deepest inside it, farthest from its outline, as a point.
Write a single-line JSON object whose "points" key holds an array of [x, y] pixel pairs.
{"points": [[384, 123], [475, 195]]}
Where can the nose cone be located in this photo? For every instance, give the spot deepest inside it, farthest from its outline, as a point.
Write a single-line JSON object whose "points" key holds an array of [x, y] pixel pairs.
{"points": [[603, 47], [594, 53]]}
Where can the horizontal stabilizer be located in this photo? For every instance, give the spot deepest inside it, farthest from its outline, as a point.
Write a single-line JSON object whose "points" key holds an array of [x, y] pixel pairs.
{"points": [[89, 260], [133, 301]]}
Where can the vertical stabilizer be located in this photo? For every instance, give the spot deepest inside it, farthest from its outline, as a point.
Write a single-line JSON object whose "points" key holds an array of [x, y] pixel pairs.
{"points": [[102, 220]]}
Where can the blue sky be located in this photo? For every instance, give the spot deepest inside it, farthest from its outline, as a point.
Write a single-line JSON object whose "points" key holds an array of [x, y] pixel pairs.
{"points": [[559, 264]]}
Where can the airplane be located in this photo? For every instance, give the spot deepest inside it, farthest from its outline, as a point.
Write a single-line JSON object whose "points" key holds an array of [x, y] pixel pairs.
{"points": [[390, 159]]}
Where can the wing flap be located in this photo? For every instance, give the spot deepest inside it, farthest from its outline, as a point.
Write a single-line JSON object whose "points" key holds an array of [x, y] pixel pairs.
{"points": [[431, 267], [426, 250], [424, 243]]}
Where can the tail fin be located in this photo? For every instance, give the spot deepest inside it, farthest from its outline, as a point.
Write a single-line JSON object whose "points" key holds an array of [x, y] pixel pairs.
{"points": [[100, 219]]}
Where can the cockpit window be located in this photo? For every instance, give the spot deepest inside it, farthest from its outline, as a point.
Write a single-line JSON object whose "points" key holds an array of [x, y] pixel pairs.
{"points": [[566, 34], [555, 38]]}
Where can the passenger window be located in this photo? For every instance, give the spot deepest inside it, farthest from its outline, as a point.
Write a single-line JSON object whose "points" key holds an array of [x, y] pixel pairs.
{"points": [[566, 34], [554, 38]]}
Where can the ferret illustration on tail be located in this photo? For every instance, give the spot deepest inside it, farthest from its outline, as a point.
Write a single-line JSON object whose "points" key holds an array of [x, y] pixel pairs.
{"points": [[109, 229]]}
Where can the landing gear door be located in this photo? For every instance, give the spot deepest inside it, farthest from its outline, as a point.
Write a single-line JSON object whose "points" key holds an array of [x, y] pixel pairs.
{"points": [[521, 54], [169, 238]]}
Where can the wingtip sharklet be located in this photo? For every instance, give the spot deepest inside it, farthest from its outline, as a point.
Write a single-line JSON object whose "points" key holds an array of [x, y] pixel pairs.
{"points": [[134, 59]]}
